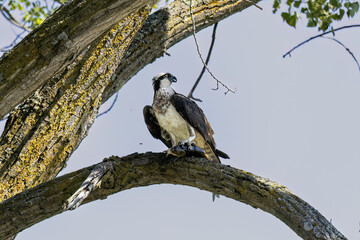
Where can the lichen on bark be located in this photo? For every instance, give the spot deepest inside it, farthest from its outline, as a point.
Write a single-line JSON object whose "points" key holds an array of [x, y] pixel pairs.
{"points": [[42, 133]]}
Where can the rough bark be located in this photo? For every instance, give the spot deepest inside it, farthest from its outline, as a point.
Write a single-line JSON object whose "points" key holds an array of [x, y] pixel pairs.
{"points": [[54, 45], [136, 170], [42, 133]]}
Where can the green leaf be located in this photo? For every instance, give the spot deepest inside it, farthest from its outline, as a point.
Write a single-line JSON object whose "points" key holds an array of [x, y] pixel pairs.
{"points": [[354, 8], [312, 23], [335, 3], [289, 2], [290, 19], [297, 3], [276, 5]]}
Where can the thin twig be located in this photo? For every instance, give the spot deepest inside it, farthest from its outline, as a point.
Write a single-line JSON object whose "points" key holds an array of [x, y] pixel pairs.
{"points": [[253, 3], [109, 109], [206, 62], [347, 49], [14, 42], [202, 59], [7, 15], [320, 35]]}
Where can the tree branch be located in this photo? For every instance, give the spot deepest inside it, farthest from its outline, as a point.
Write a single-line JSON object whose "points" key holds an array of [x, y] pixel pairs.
{"points": [[347, 49], [7, 15], [317, 36], [136, 170], [64, 36], [50, 48], [165, 28], [206, 63], [201, 57], [48, 127]]}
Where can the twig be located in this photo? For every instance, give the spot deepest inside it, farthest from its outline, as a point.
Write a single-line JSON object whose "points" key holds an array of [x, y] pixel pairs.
{"points": [[347, 49], [109, 109], [320, 35], [253, 3], [206, 62], [7, 15], [202, 59], [14, 42]]}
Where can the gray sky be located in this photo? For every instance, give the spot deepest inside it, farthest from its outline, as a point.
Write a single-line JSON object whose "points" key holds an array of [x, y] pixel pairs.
{"points": [[294, 120]]}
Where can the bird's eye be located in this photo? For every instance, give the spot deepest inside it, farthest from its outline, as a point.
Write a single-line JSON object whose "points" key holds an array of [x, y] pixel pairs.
{"points": [[167, 75]]}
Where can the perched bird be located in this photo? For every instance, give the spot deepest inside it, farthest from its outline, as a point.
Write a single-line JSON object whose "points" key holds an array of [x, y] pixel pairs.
{"points": [[179, 122]]}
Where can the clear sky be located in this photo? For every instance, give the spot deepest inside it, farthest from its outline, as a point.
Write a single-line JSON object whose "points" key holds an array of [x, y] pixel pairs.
{"points": [[294, 120]]}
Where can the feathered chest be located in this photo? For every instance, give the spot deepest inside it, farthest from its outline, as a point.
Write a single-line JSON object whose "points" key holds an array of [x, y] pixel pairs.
{"points": [[168, 117], [161, 101]]}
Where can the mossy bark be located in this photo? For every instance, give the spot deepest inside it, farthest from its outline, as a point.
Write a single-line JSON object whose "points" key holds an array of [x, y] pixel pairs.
{"points": [[136, 170], [50, 48], [41, 134]]}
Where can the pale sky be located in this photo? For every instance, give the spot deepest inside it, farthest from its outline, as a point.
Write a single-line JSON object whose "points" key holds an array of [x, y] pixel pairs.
{"points": [[295, 121]]}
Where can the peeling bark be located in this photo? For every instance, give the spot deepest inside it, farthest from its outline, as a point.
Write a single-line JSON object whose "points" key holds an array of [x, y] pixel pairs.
{"points": [[136, 170]]}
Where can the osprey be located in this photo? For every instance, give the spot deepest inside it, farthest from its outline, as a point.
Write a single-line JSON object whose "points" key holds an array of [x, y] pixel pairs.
{"points": [[179, 122]]}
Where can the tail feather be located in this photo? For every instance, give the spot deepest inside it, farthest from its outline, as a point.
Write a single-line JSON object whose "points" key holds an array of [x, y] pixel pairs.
{"points": [[221, 154]]}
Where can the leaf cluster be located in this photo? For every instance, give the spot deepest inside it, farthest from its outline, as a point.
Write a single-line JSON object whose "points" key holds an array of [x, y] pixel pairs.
{"points": [[319, 13]]}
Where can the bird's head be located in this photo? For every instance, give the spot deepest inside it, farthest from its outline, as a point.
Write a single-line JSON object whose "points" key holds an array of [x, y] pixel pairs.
{"points": [[163, 80]]}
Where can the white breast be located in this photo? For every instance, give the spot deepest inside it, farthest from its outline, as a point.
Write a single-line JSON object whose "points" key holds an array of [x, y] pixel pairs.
{"points": [[173, 123]]}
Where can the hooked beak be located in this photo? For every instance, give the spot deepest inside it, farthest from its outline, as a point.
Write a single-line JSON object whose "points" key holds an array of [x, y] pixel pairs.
{"points": [[173, 79]]}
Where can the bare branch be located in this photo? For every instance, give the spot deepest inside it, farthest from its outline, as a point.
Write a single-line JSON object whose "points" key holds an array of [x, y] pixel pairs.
{"points": [[18, 38], [254, 3], [317, 36], [206, 62], [46, 200], [7, 15], [109, 109], [347, 49], [201, 57]]}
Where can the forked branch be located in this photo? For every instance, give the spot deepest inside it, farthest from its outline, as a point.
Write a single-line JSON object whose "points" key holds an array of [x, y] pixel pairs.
{"points": [[48, 199]]}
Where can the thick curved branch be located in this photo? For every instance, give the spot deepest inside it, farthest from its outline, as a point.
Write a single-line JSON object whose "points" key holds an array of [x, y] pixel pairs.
{"points": [[136, 170], [50, 48], [58, 116]]}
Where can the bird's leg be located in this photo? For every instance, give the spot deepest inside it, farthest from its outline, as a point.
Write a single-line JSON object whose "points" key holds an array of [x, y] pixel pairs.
{"points": [[188, 142], [176, 150]]}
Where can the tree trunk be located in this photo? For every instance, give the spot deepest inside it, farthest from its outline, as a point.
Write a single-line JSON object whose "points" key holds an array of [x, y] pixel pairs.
{"points": [[50, 48], [42, 133]]}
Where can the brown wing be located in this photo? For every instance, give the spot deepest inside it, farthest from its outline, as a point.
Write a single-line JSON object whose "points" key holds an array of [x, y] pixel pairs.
{"points": [[191, 112], [154, 127]]}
